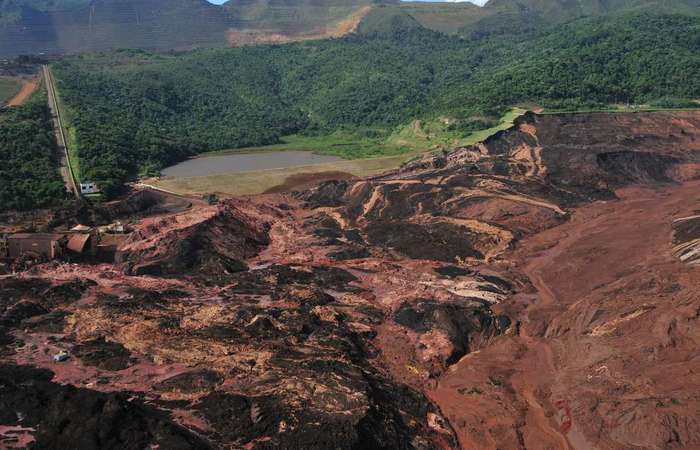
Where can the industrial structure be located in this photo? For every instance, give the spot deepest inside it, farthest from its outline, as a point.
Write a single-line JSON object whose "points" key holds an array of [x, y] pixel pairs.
{"points": [[81, 242], [35, 245]]}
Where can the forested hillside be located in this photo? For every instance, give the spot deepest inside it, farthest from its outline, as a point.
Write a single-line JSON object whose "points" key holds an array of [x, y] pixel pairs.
{"points": [[29, 176], [71, 26], [133, 111]]}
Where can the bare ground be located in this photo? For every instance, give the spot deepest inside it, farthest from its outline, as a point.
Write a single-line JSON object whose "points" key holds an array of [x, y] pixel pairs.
{"points": [[28, 88]]}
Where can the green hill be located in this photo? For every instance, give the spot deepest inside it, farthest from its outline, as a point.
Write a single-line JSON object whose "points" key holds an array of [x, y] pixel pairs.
{"points": [[517, 16], [34, 26], [137, 111], [293, 16], [444, 17], [73, 26]]}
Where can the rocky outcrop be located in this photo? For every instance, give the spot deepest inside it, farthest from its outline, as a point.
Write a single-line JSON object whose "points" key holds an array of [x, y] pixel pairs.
{"points": [[686, 239]]}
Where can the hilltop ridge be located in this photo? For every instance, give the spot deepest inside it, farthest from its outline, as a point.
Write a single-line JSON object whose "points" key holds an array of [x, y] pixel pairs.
{"points": [[75, 26]]}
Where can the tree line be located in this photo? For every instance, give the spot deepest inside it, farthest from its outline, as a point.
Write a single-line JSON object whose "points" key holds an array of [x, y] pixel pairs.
{"points": [[134, 112]]}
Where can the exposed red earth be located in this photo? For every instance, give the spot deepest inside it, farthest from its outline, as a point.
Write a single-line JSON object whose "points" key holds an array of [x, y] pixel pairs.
{"points": [[534, 291], [28, 88]]}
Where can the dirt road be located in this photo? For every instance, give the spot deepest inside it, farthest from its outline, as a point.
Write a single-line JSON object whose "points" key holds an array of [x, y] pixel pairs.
{"points": [[28, 88]]}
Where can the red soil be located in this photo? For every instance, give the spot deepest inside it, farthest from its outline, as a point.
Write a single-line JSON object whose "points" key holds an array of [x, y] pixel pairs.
{"points": [[303, 181], [604, 358], [523, 293], [28, 88]]}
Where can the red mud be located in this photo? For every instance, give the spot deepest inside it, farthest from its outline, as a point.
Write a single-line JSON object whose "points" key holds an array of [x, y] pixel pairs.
{"points": [[303, 181], [525, 293]]}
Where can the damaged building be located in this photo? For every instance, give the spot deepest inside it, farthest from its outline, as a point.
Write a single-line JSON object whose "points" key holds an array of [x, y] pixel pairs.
{"points": [[35, 245], [80, 243]]}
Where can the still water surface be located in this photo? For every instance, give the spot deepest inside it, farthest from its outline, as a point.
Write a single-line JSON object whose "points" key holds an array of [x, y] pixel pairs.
{"points": [[244, 162]]}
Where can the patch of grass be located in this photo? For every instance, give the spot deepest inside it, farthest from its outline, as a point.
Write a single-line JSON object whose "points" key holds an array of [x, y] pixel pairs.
{"points": [[72, 143], [440, 133], [504, 123], [347, 144], [9, 87], [418, 136], [71, 135]]}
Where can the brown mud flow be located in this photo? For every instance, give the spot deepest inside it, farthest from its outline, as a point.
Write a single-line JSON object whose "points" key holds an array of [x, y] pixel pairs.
{"points": [[526, 292]]}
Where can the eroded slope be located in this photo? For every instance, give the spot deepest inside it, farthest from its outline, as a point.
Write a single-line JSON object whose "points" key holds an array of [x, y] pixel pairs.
{"points": [[521, 293]]}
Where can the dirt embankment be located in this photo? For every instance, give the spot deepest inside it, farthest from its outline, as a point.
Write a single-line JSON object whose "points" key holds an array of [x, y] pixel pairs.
{"points": [[521, 293], [246, 37], [28, 88]]}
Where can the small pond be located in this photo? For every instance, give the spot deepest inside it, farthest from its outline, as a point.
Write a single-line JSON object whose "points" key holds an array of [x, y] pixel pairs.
{"points": [[244, 162]]}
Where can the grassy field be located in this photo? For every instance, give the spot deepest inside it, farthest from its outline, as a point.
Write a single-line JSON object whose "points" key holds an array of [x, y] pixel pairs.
{"points": [[418, 136], [71, 137], [9, 87], [405, 144], [437, 135]]}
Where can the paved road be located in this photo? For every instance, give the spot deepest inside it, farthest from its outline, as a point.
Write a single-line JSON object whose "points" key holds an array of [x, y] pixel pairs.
{"points": [[66, 170]]}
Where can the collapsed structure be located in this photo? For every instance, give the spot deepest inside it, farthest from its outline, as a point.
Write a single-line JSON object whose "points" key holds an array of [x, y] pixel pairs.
{"points": [[79, 241], [36, 245]]}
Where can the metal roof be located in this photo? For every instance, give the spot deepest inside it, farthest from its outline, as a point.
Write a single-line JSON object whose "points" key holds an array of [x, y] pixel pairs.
{"points": [[77, 242]]}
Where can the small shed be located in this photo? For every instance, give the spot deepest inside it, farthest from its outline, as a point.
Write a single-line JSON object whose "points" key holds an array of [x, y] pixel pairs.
{"points": [[38, 245]]}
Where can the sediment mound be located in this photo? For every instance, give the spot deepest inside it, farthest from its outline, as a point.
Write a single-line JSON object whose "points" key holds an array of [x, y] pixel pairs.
{"points": [[44, 414], [520, 293], [208, 243], [475, 202]]}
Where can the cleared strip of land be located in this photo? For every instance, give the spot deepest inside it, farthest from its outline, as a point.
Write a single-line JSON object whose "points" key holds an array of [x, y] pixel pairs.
{"points": [[66, 169]]}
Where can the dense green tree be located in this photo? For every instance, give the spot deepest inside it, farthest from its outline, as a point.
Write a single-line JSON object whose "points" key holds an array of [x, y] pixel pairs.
{"points": [[29, 176], [135, 112]]}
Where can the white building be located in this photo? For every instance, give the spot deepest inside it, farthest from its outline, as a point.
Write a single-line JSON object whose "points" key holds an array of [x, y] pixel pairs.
{"points": [[89, 188]]}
